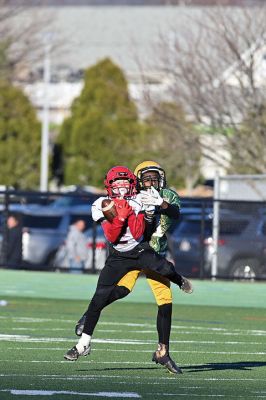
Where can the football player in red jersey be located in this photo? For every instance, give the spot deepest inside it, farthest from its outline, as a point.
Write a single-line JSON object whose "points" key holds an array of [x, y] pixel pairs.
{"points": [[127, 251]]}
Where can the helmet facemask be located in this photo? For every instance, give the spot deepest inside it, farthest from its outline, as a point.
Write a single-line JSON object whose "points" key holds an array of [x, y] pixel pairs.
{"points": [[120, 188], [150, 178], [150, 166]]}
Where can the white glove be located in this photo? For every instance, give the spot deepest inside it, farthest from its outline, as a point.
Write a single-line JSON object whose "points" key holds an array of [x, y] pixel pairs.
{"points": [[151, 197], [149, 212], [148, 209]]}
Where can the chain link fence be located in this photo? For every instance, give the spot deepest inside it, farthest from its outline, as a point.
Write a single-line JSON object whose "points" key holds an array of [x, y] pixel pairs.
{"points": [[34, 229], [233, 247]]}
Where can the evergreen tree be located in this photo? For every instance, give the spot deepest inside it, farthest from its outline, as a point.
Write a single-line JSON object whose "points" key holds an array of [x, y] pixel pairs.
{"points": [[20, 139], [103, 129]]}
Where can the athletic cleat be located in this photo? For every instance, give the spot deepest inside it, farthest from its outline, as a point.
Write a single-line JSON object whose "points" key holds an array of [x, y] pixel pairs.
{"points": [[73, 354], [167, 362], [186, 285], [80, 325]]}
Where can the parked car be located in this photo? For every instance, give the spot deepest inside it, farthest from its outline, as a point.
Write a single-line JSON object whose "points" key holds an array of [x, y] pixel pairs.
{"points": [[97, 249], [44, 232], [77, 200], [241, 245], [188, 211], [68, 201], [96, 238]]}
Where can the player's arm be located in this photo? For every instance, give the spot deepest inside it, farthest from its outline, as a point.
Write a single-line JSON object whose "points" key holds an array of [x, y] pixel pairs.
{"points": [[153, 197], [171, 210], [116, 226], [150, 226], [144, 225], [113, 230], [112, 227], [136, 225], [171, 207]]}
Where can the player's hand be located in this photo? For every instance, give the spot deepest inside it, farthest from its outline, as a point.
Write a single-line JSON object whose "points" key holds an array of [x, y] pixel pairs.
{"points": [[149, 212], [151, 197], [123, 209], [148, 209]]}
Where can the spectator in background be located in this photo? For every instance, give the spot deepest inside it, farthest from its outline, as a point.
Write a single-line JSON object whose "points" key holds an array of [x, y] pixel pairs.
{"points": [[76, 247], [14, 241]]}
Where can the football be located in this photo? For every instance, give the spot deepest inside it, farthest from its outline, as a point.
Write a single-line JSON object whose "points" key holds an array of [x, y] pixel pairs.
{"points": [[108, 209]]}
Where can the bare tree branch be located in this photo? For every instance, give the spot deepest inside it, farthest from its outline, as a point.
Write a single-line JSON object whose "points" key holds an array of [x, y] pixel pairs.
{"points": [[213, 67], [22, 32]]}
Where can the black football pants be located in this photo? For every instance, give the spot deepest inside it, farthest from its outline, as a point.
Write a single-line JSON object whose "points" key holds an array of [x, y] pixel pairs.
{"points": [[116, 266]]}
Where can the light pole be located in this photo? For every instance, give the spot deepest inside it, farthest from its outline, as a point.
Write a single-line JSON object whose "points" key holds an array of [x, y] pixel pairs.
{"points": [[45, 118]]}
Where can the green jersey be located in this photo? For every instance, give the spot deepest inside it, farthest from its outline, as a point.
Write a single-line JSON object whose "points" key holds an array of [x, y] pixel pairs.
{"points": [[158, 239]]}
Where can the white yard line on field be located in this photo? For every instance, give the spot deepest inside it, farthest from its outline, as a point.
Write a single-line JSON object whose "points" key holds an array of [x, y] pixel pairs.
{"points": [[203, 329], [187, 394], [141, 332], [160, 395], [124, 395], [228, 353], [28, 339], [148, 342], [168, 378], [129, 324]]}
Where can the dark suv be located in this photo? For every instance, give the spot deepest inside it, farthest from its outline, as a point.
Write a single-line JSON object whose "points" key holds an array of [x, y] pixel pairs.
{"points": [[241, 245]]}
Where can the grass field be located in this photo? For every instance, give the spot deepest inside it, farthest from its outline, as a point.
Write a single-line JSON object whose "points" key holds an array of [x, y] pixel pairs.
{"points": [[220, 347]]}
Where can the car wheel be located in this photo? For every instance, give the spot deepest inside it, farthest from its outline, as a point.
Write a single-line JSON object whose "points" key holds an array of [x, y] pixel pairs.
{"points": [[245, 269]]}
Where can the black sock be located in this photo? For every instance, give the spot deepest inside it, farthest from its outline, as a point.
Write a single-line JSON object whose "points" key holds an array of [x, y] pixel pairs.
{"points": [[164, 319]]}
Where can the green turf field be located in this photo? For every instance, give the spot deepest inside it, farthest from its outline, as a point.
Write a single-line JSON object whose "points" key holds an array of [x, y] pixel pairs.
{"points": [[218, 338]]}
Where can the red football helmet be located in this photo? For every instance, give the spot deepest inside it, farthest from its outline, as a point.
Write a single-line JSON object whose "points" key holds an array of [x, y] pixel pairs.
{"points": [[120, 173]]}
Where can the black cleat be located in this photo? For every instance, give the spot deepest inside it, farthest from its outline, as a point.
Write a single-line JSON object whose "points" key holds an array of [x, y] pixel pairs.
{"points": [[80, 325], [186, 285], [73, 354], [167, 362]]}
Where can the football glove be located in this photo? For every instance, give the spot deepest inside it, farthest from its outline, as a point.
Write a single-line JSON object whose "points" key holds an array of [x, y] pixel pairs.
{"points": [[123, 209], [149, 212], [151, 197]]}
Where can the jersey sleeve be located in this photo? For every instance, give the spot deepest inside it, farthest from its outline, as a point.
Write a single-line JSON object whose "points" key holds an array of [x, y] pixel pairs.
{"points": [[96, 209], [173, 200], [136, 225], [113, 230]]}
